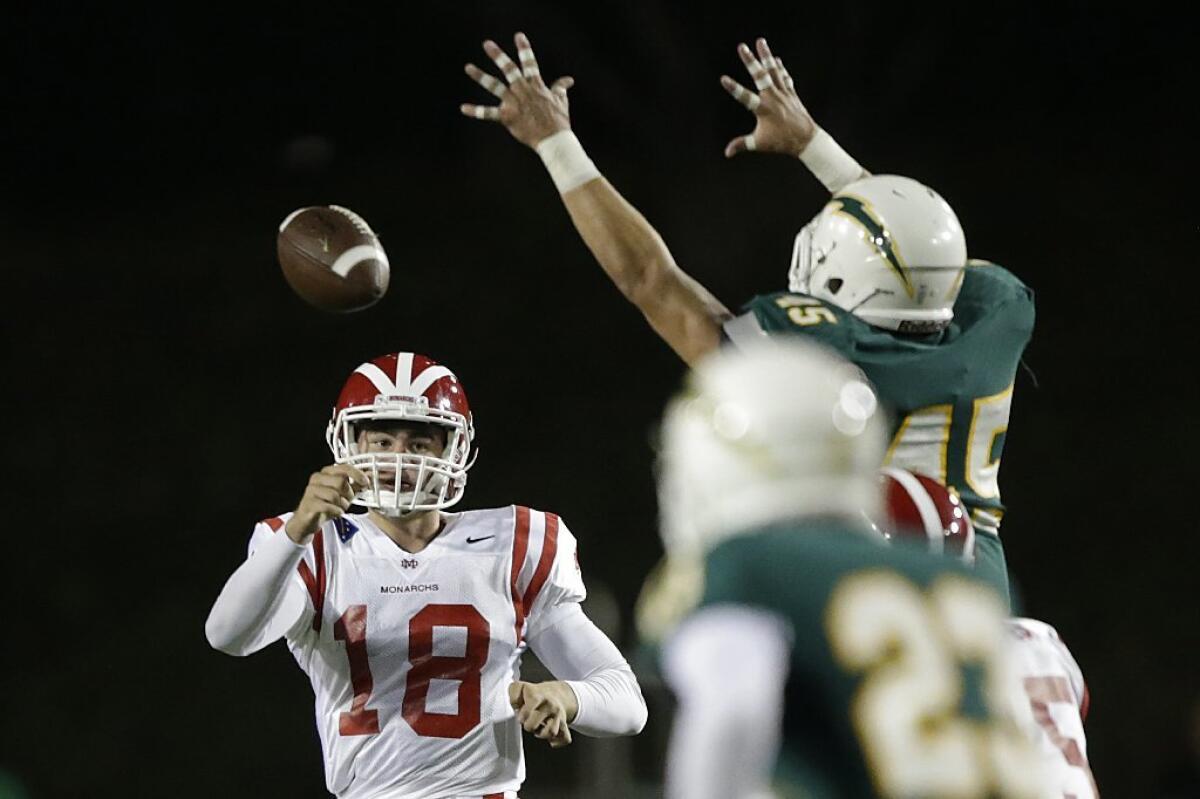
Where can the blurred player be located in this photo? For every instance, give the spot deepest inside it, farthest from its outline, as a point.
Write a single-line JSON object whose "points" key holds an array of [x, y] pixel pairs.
{"points": [[410, 621], [919, 509], [881, 274], [816, 659]]}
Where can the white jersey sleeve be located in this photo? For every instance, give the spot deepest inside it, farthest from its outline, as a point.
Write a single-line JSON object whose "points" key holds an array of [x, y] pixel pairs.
{"points": [[568, 643], [1058, 698], [728, 667], [268, 596]]}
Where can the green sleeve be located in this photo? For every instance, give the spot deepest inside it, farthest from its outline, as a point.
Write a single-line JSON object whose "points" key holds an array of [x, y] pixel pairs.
{"points": [[993, 294], [789, 314], [723, 575]]}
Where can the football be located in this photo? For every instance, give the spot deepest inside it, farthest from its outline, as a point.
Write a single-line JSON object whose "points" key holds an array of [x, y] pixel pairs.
{"points": [[332, 258]]}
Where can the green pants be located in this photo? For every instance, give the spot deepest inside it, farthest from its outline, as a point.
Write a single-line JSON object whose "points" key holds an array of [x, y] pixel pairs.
{"points": [[990, 565]]}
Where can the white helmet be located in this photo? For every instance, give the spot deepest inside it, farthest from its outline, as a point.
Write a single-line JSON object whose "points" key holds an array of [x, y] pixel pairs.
{"points": [[780, 430], [887, 249]]}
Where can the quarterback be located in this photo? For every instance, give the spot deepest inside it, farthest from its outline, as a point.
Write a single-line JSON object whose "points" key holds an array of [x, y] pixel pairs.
{"points": [[880, 274], [816, 661], [410, 621]]}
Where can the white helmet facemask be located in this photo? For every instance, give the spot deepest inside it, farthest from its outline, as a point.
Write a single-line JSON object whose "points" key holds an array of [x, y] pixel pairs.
{"points": [[436, 481], [887, 249], [802, 257]]}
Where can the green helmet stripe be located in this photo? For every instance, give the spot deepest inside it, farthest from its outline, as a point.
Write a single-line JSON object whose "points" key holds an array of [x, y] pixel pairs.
{"points": [[861, 212]]}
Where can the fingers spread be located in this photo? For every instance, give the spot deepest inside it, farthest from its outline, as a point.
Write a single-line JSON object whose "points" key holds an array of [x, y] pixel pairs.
{"points": [[772, 64], [561, 85], [740, 93], [740, 145], [502, 61], [490, 112], [762, 79], [496, 87], [529, 64], [788, 83]]}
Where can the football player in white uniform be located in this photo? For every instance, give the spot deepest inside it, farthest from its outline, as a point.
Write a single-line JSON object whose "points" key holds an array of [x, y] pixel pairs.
{"points": [[410, 621], [1051, 682], [1058, 697]]}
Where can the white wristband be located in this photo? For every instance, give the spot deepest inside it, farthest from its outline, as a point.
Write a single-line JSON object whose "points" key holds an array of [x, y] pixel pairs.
{"points": [[831, 165], [567, 163]]}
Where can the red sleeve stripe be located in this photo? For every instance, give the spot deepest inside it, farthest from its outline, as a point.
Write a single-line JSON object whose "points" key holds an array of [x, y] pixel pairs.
{"points": [[315, 585], [520, 546], [274, 523], [549, 549]]}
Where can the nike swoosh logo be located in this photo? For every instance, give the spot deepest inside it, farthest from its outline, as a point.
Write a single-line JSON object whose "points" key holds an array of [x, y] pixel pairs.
{"points": [[477, 540]]}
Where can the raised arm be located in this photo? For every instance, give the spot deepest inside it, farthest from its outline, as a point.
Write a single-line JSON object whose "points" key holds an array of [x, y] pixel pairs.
{"points": [[782, 124], [683, 313]]}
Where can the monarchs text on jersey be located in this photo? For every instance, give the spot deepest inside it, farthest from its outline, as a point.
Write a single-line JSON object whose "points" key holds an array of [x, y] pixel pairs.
{"points": [[410, 654]]}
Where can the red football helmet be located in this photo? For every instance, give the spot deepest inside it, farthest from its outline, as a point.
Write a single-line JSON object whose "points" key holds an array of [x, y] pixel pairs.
{"points": [[920, 507], [410, 387]]}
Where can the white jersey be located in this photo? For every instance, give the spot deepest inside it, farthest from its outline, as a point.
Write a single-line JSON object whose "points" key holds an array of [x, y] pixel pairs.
{"points": [[410, 655], [1058, 697]]}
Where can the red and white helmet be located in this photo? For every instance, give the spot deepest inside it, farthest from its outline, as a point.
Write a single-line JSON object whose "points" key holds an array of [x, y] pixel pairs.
{"points": [[410, 387], [919, 507]]}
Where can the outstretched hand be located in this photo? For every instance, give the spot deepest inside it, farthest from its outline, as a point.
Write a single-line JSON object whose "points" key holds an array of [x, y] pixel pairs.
{"points": [[529, 109], [782, 123]]}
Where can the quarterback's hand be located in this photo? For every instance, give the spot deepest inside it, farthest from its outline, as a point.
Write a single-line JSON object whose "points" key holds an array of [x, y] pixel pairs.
{"points": [[545, 709], [529, 108], [327, 496], [783, 124]]}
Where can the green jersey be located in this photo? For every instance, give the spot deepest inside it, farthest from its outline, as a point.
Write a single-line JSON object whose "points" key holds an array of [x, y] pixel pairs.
{"points": [[890, 687], [949, 392]]}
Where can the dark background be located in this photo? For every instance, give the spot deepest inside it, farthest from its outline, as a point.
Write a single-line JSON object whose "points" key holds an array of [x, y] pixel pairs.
{"points": [[166, 389]]}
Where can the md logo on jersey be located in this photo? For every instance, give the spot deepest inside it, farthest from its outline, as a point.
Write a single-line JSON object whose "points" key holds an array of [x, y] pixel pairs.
{"points": [[862, 213]]}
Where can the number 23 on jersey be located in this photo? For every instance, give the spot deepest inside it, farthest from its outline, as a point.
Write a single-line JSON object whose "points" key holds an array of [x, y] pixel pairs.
{"points": [[912, 648]]}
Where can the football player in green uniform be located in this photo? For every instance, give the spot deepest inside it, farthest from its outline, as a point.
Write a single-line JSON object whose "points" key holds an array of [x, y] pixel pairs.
{"points": [[815, 659], [881, 275]]}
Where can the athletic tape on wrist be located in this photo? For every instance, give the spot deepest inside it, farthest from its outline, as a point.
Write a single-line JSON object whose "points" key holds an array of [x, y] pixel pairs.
{"points": [[831, 165], [565, 160]]}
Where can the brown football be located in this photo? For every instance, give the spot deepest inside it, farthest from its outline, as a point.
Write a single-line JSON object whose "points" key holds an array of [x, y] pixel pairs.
{"points": [[332, 258]]}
